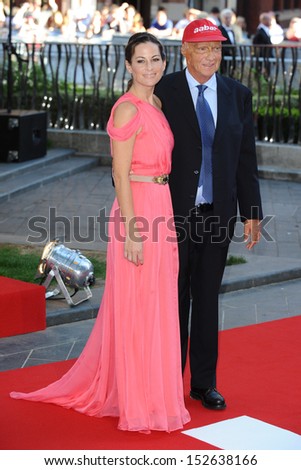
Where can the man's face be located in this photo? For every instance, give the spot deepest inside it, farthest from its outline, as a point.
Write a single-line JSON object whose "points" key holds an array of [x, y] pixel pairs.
{"points": [[161, 18], [203, 58], [267, 21], [227, 19]]}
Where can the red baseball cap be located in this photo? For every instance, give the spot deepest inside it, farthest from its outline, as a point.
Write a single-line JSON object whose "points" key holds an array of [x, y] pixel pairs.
{"points": [[202, 31]]}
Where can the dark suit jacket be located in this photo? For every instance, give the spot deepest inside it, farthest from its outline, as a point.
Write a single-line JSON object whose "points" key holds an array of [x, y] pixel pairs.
{"points": [[235, 179], [262, 38], [228, 41], [228, 50]]}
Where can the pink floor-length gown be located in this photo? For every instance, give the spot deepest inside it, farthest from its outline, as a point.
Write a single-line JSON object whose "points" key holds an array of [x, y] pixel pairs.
{"points": [[131, 366]]}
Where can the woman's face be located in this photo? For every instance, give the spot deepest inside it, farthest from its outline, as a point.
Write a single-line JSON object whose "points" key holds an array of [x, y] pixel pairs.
{"points": [[147, 65]]}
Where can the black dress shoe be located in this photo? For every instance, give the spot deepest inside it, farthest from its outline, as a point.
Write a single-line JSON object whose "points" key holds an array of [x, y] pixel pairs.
{"points": [[209, 397]]}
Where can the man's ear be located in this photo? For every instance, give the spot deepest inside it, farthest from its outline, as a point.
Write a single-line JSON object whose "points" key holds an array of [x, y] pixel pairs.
{"points": [[184, 49]]}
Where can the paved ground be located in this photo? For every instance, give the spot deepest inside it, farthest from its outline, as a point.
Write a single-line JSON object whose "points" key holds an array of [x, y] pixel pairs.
{"points": [[267, 287]]}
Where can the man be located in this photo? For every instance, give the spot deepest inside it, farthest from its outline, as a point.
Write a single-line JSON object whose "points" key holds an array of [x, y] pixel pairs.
{"points": [[228, 51], [227, 20], [214, 16], [205, 226], [161, 26], [262, 37]]}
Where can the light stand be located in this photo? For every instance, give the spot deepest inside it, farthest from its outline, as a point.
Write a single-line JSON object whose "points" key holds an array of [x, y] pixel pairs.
{"points": [[69, 268]]}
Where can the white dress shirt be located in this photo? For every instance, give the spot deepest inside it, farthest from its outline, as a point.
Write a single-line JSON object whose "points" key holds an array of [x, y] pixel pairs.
{"points": [[211, 96], [230, 34]]}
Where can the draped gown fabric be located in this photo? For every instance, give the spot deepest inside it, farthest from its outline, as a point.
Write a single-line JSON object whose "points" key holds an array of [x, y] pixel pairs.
{"points": [[131, 366]]}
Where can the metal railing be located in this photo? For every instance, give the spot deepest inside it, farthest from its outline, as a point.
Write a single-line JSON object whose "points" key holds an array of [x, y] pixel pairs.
{"points": [[77, 83]]}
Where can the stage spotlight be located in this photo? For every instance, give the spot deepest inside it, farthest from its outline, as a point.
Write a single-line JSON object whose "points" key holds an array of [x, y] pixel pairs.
{"points": [[69, 267]]}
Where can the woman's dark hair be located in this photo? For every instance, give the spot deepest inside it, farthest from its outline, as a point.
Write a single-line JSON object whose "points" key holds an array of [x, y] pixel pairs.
{"points": [[140, 38], [135, 40]]}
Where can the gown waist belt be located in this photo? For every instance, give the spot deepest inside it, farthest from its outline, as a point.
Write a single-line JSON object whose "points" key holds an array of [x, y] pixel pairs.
{"points": [[161, 179]]}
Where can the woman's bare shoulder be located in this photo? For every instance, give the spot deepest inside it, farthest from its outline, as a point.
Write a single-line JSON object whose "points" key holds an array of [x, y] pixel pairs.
{"points": [[124, 113]]}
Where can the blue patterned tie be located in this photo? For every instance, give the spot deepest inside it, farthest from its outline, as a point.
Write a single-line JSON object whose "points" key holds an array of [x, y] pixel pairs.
{"points": [[207, 127]]}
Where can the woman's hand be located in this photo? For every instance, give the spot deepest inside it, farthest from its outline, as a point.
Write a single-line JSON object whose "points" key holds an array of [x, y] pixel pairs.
{"points": [[133, 249]]}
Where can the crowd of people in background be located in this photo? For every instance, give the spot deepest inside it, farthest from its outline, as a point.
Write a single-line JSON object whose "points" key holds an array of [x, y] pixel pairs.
{"points": [[36, 21]]}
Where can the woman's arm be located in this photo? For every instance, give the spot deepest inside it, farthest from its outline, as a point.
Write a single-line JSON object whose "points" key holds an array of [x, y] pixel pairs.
{"points": [[122, 158]]}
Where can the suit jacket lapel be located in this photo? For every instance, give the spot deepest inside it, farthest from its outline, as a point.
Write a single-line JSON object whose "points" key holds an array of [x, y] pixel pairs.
{"points": [[223, 106], [184, 102], [186, 107]]}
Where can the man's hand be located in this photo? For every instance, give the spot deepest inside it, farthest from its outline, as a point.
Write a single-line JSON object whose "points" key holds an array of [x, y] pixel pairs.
{"points": [[251, 232]]}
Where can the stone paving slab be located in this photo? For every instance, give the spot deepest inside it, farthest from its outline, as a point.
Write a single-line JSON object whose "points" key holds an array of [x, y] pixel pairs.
{"points": [[66, 341], [266, 288]]}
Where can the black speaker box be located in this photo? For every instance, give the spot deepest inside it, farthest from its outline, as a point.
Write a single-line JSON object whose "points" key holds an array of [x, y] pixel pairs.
{"points": [[23, 135]]}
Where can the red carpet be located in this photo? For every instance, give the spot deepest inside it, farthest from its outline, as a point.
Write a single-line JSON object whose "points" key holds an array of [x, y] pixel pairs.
{"points": [[259, 374], [22, 307]]}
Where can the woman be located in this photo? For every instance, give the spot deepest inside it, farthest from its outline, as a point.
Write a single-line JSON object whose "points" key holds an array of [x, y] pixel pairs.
{"points": [[293, 32], [131, 365]]}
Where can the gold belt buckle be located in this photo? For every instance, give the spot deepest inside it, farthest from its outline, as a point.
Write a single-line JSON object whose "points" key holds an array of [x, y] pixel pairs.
{"points": [[162, 179]]}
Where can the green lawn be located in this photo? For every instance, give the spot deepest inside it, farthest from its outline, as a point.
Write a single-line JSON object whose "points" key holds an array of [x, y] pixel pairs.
{"points": [[21, 262]]}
